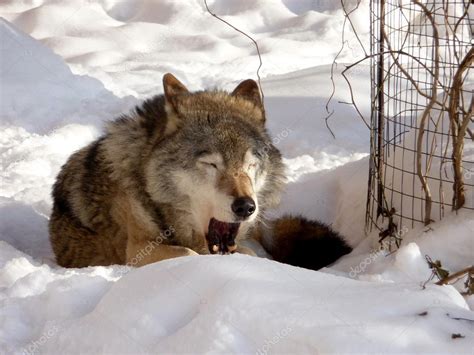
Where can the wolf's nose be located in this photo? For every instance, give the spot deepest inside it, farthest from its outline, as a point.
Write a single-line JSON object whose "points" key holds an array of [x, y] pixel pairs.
{"points": [[243, 206]]}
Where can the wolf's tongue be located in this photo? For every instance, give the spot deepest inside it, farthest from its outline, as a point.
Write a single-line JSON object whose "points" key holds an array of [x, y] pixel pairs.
{"points": [[221, 236]]}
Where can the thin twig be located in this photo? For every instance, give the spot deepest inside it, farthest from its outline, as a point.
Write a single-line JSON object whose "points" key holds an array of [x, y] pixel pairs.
{"points": [[456, 275], [334, 63], [459, 128], [425, 115], [254, 42]]}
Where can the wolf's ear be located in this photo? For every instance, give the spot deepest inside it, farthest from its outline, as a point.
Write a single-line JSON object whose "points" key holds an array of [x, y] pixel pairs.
{"points": [[173, 87], [248, 89]]}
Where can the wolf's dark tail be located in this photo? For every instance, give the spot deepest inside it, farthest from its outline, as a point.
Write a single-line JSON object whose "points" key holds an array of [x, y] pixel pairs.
{"points": [[301, 242]]}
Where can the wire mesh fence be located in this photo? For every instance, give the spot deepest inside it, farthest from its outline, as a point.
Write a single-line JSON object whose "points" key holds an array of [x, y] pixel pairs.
{"points": [[422, 142]]}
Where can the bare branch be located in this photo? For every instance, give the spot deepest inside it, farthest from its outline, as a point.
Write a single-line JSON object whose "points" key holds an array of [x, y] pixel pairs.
{"points": [[347, 19], [456, 275], [254, 42], [459, 128], [426, 113]]}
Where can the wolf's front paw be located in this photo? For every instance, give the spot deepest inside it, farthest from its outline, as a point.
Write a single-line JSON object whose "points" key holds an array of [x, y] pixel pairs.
{"points": [[245, 250], [188, 252]]}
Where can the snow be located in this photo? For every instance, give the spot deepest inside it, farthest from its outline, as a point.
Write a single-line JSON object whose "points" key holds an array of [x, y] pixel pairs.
{"points": [[68, 66]]}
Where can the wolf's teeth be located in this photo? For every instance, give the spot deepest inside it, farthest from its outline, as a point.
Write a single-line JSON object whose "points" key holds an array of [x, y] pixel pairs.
{"points": [[215, 248]]}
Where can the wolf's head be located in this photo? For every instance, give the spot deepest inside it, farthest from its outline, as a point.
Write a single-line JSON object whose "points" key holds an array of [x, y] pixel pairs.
{"points": [[215, 161]]}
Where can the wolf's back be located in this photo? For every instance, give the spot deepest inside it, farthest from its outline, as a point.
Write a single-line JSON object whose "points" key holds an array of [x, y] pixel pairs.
{"points": [[81, 203]]}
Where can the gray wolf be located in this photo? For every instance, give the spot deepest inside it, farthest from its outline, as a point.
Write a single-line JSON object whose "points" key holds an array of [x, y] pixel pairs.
{"points": [[185, 173]]}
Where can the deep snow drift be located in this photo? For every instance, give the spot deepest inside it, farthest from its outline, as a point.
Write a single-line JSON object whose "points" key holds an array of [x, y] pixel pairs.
{"points": [[68, 66]]}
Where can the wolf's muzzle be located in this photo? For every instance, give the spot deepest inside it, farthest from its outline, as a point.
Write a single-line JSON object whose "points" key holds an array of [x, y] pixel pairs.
{"points": [[243, 207]]}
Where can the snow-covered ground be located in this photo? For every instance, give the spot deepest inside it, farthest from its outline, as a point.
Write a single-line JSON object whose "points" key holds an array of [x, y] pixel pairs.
{"points": [[68, 66]]}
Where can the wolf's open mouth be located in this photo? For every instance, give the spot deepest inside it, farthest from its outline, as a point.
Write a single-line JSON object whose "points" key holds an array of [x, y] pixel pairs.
{"points": [[221, 236]]}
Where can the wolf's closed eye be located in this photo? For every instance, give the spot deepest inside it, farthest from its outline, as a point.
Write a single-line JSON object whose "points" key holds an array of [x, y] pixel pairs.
{"points": [[208, 164], [211, 164], [209, 160]]}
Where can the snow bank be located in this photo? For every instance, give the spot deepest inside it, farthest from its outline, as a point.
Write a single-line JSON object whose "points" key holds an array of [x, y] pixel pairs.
{"points": [[126, 44], [32, 75], [234, 305]]}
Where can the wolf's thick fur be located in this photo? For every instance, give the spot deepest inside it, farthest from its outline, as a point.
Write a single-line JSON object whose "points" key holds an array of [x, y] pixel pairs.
{"points": [[146, 190]]}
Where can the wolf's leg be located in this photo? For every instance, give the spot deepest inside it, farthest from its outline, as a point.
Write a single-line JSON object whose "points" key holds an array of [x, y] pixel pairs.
{"points": [[77, 246], [141, 249], [147, 252], [245, 250]]}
